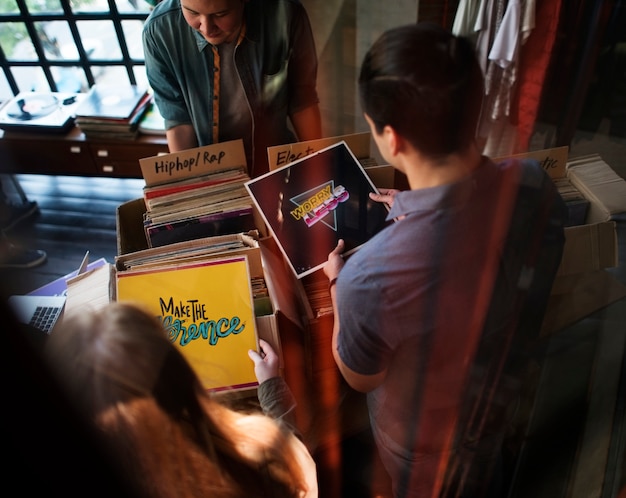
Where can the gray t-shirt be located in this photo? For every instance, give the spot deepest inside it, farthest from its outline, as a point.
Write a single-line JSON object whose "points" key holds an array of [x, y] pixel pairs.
{"points": [[235, 115]]}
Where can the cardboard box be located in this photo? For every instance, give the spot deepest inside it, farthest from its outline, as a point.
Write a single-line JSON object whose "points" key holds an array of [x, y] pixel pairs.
{"points": [[281, 315], [593, 245], [176, 213], [582, 285], [588, 248], [579, 295]]}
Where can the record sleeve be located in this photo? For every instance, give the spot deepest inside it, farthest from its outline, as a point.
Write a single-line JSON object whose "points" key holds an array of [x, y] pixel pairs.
{"points": [[111, 101], [311, 203], [213, 326]]}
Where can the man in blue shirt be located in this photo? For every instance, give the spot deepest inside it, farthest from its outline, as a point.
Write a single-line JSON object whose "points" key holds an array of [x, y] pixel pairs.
{"points": [[229, 69], [455, 289]]}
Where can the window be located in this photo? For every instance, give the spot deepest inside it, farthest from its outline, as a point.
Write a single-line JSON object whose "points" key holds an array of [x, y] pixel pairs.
{"points": [[68, 45]]}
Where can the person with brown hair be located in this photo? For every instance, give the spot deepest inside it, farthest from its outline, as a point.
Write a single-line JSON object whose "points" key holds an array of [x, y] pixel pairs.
{"points": [[170, 437], [233, 69], [456, 289]]}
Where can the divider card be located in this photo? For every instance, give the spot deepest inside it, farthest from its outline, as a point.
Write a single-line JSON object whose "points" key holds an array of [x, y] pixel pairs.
{"points": [[311, 203], [208, 312]]}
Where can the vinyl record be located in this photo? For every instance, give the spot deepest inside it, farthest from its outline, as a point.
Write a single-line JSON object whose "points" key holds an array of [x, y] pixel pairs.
{"points": [[40, 112], [33, 106]]}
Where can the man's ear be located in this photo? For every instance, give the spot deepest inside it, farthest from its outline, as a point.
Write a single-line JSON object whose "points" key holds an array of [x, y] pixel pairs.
{"points": [[395, 142], [389, 138]]}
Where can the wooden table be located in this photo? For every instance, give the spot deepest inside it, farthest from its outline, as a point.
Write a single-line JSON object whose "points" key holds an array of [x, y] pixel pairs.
{"points": [[75, 154]]}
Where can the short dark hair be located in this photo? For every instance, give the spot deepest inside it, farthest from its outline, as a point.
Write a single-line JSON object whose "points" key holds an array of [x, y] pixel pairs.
{"points": [[427, 84]]}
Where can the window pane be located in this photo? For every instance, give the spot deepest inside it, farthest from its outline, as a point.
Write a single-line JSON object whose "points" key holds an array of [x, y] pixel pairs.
{"points": [[16, 43], [56, 40], [128, 6], [5, 89], [140, 75], [99, 40], [111, 75], [132, 33], [43, 6], [89, 5], [69, 79], [10, 8], [30, 78]]}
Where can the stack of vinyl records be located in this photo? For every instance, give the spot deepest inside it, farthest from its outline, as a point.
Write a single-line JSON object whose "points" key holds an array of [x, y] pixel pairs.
{"points": [[577, 205], [112, 111], [152, 123], [213, 204]]}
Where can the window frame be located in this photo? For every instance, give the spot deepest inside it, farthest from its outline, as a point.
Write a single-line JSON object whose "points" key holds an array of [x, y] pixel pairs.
{"points": [[72, 18]]}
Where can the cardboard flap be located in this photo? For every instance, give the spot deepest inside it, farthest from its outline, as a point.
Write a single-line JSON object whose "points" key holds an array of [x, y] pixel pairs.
{"points": [[93, 289], [279, 280], [553, 161], [588, 248], [383, 176], [280, 155], [602, 186], [267, 329], [576, 296], [129, 224]]}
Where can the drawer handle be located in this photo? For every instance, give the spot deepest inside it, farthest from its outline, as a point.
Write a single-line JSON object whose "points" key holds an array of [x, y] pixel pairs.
{"points": [[75, 149], [107, 168], [103, 153]]}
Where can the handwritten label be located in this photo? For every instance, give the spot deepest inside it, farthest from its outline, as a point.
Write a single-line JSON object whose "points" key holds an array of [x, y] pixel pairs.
{"points": [[192, 162], [162, 166], [281, 155], [287, 156], [553, 161]]}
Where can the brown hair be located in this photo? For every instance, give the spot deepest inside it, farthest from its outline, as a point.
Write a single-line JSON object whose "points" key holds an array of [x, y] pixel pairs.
{"points": [[171, 438], [427, 84]]}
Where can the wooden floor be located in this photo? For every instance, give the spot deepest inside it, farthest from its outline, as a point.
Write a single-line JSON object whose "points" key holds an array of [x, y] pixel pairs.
{"points": [[76, 215]]}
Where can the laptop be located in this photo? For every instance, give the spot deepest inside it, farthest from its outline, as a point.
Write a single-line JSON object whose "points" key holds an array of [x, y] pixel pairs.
{"points": [[41, 312]]}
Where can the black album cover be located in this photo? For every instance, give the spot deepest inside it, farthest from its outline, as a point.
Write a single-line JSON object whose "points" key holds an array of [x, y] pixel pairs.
{"points": [[311, 203]]}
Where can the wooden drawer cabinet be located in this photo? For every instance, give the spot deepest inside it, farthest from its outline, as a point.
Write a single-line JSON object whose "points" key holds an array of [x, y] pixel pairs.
{"points": [[75, 154], [45, 154], [121, 159]]}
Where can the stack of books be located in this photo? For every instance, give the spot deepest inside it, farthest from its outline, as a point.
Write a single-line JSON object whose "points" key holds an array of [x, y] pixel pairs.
{"points": [[200, 203], [111, 111]]}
